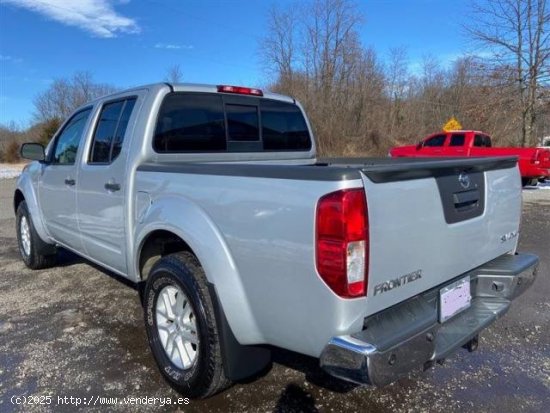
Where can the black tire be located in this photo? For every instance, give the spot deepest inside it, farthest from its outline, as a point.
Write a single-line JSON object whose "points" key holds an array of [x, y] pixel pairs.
{"points": [[529, 181], [206, 376], [34, 259]]}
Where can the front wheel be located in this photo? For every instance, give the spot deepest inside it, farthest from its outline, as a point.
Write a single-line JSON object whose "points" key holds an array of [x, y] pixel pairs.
{"points": [[29, 241], [181, 326]]}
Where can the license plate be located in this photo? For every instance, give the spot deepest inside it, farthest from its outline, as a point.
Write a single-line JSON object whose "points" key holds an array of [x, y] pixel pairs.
{"points": [[454, 298]]}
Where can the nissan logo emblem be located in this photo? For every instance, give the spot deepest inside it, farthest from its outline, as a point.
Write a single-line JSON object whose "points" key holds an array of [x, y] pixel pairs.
{"points": [[464, 180]]}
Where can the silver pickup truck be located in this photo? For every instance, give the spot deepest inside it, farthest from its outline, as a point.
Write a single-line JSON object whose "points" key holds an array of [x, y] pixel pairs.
{"points": [[212, 200]]}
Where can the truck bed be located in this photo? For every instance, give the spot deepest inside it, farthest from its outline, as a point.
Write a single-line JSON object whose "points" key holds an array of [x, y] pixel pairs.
{"points": [[416, 224], [386, 169]]}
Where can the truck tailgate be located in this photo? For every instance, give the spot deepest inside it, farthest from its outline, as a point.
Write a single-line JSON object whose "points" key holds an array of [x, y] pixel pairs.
{"points": [[431, 220]]}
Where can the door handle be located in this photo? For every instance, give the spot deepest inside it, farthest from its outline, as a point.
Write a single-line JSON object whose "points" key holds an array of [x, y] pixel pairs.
{"points": [[69, 182], [112, 187]]}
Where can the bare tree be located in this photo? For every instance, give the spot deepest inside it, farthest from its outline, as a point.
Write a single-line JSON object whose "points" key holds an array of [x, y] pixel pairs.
{"points": [[331, 46], [65, 95], [278, 48], [516, 35], [174, 74], [359, 106], [312, 52], [397, 87]]}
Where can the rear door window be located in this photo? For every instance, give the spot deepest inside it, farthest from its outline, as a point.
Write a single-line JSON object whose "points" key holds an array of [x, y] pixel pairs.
{"points": [[121, 129], [110, 130], [457, 140], [435, 141]]}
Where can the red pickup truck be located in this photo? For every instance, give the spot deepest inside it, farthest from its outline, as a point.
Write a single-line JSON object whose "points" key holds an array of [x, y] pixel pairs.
{"points": [[534, 163]]}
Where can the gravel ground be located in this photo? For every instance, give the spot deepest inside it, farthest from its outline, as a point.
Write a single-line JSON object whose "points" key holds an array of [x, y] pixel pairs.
{"points": [[76, 330]]}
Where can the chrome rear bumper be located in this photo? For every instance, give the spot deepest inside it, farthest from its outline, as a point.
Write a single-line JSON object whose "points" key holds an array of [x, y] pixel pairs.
{"points": [[409, 336]]}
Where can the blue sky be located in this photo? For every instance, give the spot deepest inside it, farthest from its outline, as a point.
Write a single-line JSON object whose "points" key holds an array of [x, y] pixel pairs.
{"points": [[132, 42]]}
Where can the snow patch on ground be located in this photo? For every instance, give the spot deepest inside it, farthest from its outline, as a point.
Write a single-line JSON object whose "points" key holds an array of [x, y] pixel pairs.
{"points": [[541, 185], [10, 171]]}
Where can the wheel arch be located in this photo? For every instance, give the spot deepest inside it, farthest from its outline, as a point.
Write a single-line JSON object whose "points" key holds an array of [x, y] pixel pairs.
{"points": [[180, 225], [154, 246], [240, 361], [18, 197], [41, 247], [26, 191]]}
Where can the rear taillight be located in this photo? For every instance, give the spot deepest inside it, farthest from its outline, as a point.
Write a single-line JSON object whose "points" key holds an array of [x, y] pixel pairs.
{"points": [[342, 242], [535, 158], [239, 90]]}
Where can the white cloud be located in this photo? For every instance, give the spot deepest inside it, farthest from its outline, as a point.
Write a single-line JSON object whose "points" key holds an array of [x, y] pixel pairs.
{"points": [[169, 46], [95, 16]]}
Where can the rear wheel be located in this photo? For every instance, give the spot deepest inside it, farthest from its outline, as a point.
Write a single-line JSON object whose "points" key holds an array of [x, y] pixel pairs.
{"points": [[529, 181], [29, 241], [181, 326]]}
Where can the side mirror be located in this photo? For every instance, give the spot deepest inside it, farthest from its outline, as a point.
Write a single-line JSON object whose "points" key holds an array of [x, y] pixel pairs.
{"points": [[419, 145], [33, 151]]}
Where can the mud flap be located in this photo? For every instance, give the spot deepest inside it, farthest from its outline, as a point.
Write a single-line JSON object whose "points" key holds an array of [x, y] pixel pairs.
{"points": [[239, 361]]}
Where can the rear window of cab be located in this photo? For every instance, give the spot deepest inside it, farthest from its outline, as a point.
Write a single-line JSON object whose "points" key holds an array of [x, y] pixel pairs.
{"points": [[210, 122]]}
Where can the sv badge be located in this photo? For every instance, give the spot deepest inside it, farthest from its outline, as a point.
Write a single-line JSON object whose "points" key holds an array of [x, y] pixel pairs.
{"points": [[508, 236]]}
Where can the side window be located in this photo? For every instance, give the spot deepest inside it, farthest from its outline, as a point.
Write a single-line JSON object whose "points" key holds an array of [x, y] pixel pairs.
{"points": [[457, 140], [110, 130], [104, 132], [438, 140], [121, 129], [68, 141], [190, 123], [487, 141]]}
